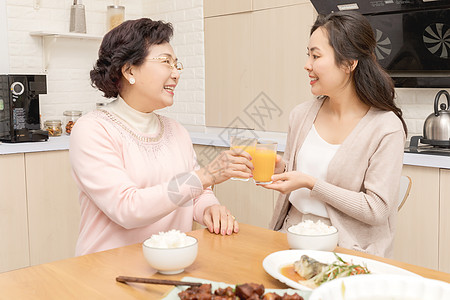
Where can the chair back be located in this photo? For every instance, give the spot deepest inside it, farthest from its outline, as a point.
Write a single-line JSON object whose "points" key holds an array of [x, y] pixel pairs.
{"points": [[405, 188]]}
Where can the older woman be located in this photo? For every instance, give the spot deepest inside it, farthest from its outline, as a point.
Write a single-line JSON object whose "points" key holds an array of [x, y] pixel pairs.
{"points": [[136, 170]]}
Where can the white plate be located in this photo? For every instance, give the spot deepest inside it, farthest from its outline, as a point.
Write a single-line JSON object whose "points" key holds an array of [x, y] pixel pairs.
{"points": [[383, 286], [275, 261]]}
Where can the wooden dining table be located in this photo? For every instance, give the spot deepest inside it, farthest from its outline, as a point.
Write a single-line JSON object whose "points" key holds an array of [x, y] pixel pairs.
{"points": [[231, 259]]}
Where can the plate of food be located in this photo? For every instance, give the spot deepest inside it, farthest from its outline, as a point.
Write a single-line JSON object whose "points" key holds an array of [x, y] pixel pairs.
{"points": [[308, 269], [210, 289]]}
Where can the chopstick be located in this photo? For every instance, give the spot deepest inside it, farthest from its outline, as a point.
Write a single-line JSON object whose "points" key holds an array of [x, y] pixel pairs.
{"points": [[125, 279]]}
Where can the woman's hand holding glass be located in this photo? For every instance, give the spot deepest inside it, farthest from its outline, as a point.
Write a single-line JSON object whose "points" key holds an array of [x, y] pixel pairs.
{"points": [[243, 144], [229, 163], [218, 219], [290, 181], [280, 165]]}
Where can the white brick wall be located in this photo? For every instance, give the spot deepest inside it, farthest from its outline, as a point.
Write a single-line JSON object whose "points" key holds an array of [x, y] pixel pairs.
{"points": [[187, 19], [71, 59], [4, 53]]}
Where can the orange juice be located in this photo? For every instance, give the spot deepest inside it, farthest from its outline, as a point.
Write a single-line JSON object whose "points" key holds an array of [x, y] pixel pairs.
{"points": [[264, 164], [249, 149]]}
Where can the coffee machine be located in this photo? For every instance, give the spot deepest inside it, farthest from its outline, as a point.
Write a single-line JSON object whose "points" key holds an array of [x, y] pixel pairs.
{"points": [[19, 108]]}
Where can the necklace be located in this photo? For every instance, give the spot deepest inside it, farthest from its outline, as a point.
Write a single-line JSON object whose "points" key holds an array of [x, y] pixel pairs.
{"points": [[116, 119]]}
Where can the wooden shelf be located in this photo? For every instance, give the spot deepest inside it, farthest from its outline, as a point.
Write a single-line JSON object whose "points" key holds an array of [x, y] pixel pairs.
{"points": [[71, 35]]}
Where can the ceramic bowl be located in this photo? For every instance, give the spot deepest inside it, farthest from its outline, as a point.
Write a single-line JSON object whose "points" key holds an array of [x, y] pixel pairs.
{"points": [[323, 242], [382, 287], [171, 260]]}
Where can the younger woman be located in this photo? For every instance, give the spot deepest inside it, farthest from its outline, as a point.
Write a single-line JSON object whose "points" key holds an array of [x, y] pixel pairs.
{"points": [[344, 152]]}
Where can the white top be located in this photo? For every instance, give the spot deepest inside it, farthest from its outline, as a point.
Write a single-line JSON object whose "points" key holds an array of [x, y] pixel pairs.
{"points": [[143, 122], [313, 159]]}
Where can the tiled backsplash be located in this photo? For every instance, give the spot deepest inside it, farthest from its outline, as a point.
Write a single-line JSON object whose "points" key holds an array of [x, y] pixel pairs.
{"points": [[417, 105], [70, 60]]}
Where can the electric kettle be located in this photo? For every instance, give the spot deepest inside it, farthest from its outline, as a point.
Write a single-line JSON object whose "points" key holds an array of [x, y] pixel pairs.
{"points": [[436, 129]]}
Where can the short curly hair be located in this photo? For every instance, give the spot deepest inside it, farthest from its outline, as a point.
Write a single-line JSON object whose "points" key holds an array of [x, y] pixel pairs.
{"points": [[127, 44]]}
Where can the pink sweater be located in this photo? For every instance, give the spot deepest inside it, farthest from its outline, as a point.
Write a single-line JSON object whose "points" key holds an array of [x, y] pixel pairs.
{"points": [[133, 185]]}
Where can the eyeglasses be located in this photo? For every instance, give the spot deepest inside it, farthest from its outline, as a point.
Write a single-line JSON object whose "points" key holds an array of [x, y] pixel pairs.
{"points": [[171, 64]]}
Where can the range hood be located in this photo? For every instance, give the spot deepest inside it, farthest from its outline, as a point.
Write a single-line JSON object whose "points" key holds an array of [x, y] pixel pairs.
{"points": [[378, 6], [413, 37]]}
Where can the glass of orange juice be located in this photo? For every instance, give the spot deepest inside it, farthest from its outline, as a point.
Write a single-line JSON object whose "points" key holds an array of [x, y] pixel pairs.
{"points": [[243, 144], [264, 161]]}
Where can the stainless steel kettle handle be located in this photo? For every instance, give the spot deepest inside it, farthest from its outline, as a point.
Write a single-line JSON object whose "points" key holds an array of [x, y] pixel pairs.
{"points": [[436, 101]]}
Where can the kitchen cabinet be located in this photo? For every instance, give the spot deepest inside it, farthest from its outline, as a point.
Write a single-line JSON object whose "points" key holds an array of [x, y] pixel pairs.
{"points": [[280, 39], [417, 233], [13, 213], [53, 208], [254, 66], [213, 8], [228, 66], [39, 210], [249, 203], [224, 7], [266, 4], [444, 221]]}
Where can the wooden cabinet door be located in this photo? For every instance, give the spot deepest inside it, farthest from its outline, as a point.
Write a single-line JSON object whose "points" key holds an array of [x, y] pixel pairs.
{"points": [[250, 204], [254, 67], [280, 39], [224, 7], [444, 222], [53, 208], [227, 69], [14, 252], [416, 239], [266, 4]]}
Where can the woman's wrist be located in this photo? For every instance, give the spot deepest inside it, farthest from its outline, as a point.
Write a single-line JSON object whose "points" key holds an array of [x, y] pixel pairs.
{"points": [[311, 182], [206, 178]]}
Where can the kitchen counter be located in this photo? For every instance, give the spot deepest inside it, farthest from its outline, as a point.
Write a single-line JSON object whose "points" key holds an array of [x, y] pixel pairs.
{"points": [[53, 144], [214, 139]]}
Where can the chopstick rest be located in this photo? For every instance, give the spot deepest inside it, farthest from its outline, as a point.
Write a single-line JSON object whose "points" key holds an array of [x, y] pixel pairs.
{"points": [[125, 279]]}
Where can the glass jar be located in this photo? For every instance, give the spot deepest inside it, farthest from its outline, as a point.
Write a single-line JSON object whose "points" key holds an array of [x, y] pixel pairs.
{"points": [[70, 117], [115, 16], [53, 127]]}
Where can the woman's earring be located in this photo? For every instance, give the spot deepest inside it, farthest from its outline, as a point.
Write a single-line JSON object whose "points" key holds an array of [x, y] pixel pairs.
{"points": [[132, 80]]}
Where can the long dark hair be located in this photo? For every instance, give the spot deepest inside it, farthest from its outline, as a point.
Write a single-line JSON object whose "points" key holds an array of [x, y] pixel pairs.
{"points": [[352, 38], [126, 44]]}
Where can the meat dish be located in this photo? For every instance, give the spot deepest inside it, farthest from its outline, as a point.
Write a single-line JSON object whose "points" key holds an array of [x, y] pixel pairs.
{"points": [[246, 291]]}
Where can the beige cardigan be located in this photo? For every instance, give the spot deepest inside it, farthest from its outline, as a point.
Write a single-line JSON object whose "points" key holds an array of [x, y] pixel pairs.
{"points": [[362, 184]]}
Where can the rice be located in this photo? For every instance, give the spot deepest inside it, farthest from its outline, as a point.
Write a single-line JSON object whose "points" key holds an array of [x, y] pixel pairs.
{"points": [[170, 239], [308, 227]]}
